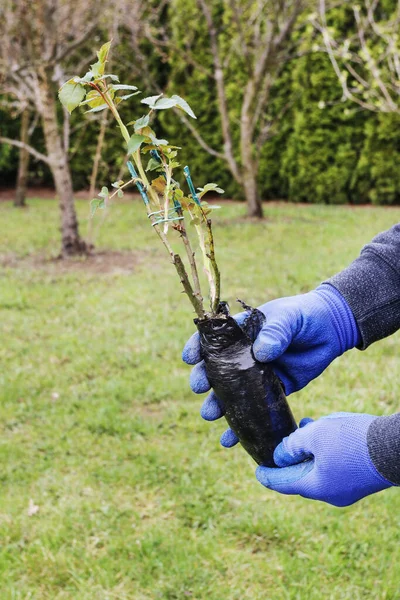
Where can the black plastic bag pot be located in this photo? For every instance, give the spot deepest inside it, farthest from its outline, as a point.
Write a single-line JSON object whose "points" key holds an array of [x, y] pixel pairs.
{"points": [[253, 398]]}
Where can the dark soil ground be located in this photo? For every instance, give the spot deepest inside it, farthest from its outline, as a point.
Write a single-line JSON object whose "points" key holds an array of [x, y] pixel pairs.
{"points": [[106, 262]]}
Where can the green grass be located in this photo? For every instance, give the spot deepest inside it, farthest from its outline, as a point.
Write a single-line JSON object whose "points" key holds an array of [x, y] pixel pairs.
{"points": [[100, 429]]}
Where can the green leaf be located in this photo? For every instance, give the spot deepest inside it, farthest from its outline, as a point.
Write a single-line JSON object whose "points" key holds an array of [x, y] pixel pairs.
{"points": [[135, 142], [104, 192], [97, 69], [106, 76], [124, 87], [111, 76], [117, 184], [153, 165], [178, 194], [210, 187], [93, 98], [151, 100], [102, 54], [157, 142], [71, 95], [120, 193], [183, 105], [195, 221], [97, 108], [95, 204], [142, 122], [147, 132], [85, 79], [164, 103], [160, 103], [127, 96]]}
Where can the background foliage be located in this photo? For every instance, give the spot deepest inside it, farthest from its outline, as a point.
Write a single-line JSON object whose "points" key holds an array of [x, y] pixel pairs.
{"points": [[324, 151]]}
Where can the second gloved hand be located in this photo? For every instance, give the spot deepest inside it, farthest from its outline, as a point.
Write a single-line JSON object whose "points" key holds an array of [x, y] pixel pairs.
{"points": [[301, 336], [326, 460]]}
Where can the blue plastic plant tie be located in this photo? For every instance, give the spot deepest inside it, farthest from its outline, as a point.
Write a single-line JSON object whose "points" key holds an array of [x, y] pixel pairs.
{"points": [[177, 204], [186, 172], [139, 186], [154, 154]]}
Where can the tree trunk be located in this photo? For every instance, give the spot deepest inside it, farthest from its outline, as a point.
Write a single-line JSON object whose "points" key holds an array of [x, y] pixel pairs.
{"points": [[249, 165], [71, 241], [254, 206], [20, 192]]}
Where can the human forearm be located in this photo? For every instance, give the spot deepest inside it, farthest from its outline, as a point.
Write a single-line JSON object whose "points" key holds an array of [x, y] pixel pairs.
{"points": [[371, 287], [383, 441]]}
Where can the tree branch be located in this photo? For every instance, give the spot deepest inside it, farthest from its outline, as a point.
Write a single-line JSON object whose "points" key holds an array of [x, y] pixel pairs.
{"points": [[60, 56], [198, 137], [35, 153], [220, 83]]}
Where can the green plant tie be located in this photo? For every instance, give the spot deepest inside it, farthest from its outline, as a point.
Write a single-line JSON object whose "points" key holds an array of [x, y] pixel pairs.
{"points": [[186, 172], [139, 185]]}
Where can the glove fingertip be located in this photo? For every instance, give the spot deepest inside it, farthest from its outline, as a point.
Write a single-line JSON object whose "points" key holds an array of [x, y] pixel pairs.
{"points": [[191, 353], [305, 421], [281, 457], [229, 439], [262, 475], [211, 409], [198, 379], [287, 480]]}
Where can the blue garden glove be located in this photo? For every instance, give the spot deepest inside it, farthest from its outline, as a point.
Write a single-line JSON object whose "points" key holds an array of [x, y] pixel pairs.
{"points": [[326, 460], [301, 336]]}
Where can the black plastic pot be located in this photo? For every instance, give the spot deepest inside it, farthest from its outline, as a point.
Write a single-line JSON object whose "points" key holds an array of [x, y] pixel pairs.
{"points": [[254, 401]]}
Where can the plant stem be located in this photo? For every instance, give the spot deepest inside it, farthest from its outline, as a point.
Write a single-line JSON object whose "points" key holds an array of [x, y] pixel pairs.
{"points": [[217, 276], [185, 238], [195, 296], [192, 261], [206, 264], [196, 302]]}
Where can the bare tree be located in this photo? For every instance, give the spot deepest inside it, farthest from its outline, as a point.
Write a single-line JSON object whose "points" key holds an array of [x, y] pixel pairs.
{"points": [[39, 39], [258, 45], [366, 62]]}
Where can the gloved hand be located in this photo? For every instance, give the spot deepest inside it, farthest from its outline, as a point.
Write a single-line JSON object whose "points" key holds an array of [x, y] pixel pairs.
{"points": [[301, 336], [326, 460]]}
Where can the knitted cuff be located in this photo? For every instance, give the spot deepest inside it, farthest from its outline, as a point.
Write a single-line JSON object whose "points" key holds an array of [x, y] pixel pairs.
{"points": [[383, 439], [343, 318]]}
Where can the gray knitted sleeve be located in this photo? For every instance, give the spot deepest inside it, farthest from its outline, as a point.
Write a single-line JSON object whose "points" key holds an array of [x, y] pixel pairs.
{"points": [[383, 439], [371, 287]]}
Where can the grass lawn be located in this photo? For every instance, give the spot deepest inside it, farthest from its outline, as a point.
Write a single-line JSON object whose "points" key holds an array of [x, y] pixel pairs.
{"points": [[137, 500]]}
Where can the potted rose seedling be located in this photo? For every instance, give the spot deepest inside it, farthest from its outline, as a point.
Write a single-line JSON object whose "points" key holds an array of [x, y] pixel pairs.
{"points": [[254, 400]]}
